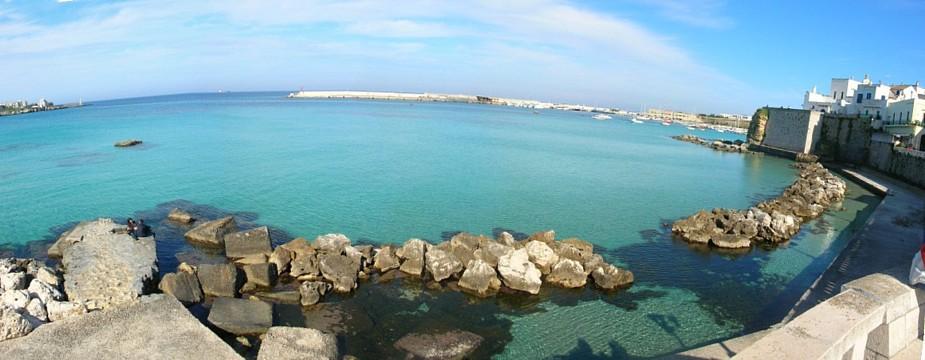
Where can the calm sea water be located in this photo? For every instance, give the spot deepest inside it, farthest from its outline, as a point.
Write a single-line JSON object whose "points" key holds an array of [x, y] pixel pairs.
{"points": [[388, 171]]}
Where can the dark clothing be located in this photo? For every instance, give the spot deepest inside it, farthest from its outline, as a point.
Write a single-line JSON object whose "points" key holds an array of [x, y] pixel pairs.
{"points": [[143, 230]]}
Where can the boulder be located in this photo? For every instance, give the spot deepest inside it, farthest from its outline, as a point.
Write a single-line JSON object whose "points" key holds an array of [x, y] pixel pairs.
{"points": [[281, 257], [60, 310], [48, 276], [295, 343], [305, 267], [13, 324], [489, 252], [218, 279], [17, 299], [442, 264], [38, 289], [340, 270], [212, 233], [240, 316], [505, 238], [127, 143], [251, 259], [730, 241], [542, 255], [180, 216], [36, 309], [13, 281], [548, 237], [105, 268], [385, 259], [248, 242], [299, 247], [575, 249], [567, 273], [455, 344], [313, 291], [518, 273], [333, 243], [182, 286], [480, 278], [261, 275], [611, 277], [412, 254]]}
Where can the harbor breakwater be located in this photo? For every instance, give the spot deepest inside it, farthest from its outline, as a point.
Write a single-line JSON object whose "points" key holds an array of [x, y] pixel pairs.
{"points": [[770, 222]]}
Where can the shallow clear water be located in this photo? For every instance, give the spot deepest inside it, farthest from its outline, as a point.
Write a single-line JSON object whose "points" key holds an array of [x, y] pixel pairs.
{"points": [[387, 171]]}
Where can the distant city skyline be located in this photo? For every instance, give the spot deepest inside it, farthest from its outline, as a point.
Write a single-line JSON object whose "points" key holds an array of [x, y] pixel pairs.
{"points": [[713, 57]]}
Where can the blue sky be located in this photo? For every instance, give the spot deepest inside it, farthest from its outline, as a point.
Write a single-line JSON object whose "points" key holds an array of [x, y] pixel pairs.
{"points": [[701, 56]]}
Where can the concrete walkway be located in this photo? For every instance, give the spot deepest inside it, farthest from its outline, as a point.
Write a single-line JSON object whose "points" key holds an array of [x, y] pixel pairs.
{"points": [[893, 233]]}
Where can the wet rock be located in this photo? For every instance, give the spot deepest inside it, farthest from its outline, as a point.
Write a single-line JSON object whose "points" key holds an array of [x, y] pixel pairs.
{"points": [[128, 143], [730, 241], [241, 317], [13, 281], [279, 297], [60, 310], [518, 273], [442, 265], [611, 277], [592, 263], [248, 243], [212, 233], [299, 248], [480, 278], [385, 259], [340, 270], [180, 216], [13, 324], [294, 343], [261, 275], [106, 268], [281, 257], [412, 255], [218, 279], [542, 255], [333, 243], [455, 344], [567, 273], [313, 291], [182, 286]]}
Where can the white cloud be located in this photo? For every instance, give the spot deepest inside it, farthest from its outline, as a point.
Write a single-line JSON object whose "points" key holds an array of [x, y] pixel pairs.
{"points": [[702, 13]]}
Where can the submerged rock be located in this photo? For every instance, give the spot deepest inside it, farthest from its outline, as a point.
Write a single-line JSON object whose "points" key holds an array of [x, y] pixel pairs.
{"points": [[455, 344], [128, 143], [180, 216], [212, 233], [611, 277], [294, 343], [518, 273], [313, 291]]}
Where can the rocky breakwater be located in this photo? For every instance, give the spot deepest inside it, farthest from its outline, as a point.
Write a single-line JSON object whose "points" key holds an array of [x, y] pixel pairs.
{"points": [[770, 222], [30, 295], [737, 146]]}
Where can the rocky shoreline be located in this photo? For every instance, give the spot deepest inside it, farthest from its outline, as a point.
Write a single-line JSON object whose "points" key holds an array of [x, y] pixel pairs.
{"points": [[770, 222], [103, 268], [737, 146]]}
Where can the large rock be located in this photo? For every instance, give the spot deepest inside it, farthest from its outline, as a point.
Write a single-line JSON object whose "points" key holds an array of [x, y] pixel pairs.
{"points": [[412, 255], [542, 255], [212, 233], [548, 237], [455, 344], [299, 248], [13, 281], [442, 264], [13, 324], [60, 310], [333, 243], [296, 343], [730, 241], [568, 273], [340, 270], [180, 216], [281, 257], [48, 276], [260, 275], [43, 291], [313, 291], [36, 309], [480, 278], [241, 317], [106, 268], [611, 277], [17, 299], [519, 273], [385, 259], [156, 327], [182, 286], [305, 267], [491, 251], [218, 279], [248, 243]]}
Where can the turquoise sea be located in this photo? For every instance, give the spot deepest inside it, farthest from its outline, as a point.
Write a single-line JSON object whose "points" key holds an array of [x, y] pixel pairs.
{"points": [[383, 172]]}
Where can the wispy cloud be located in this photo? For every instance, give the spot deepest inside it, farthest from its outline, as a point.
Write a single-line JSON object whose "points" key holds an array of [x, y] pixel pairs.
{"points": [[702, 13]]}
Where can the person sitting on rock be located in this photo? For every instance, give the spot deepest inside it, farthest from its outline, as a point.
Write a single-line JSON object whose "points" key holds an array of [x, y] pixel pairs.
{"points": [[129, 228], [142, 230]]}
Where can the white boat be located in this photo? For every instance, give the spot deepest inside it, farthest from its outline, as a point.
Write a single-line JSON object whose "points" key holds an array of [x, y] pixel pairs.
{"points": [[721, 130], [667, 122], [601, 117], [636, 121], [691, 128]]}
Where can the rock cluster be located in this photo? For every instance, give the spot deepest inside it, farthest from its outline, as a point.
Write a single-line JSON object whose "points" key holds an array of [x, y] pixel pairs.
{"points": [[30, 295], [737, 146], [771, 221], [128, 143]]}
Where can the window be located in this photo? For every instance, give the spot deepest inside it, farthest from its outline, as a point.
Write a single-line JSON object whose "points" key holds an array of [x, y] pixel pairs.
{"points": [[843, 95], [882, 97], [868, 96], [860, 98], [866, 112]]}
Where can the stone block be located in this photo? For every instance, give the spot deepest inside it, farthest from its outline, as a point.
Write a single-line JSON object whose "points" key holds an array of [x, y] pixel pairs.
{"points": [[218, 279], [261, 275], [898, 298], [183, 286], [248, 243], [240, 316], [212, 233], [293, 343]]}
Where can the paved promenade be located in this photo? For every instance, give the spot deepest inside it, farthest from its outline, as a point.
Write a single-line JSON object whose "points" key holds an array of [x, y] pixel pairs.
{"points": [[893, 233]]}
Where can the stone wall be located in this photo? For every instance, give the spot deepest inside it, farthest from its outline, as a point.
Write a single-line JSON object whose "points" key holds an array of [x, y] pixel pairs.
{"points": [[791, 129], [908, 166], [844, 138], [757, 125]]}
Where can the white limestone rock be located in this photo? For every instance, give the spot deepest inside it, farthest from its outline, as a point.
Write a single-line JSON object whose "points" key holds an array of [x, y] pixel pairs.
{"points": [[518, 273], [13, 324]]}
